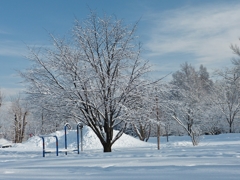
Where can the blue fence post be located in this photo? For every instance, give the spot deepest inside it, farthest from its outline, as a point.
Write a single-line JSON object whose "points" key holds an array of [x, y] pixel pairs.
{"points": [[43, 146], [81, 137], [78, 138], [56, 145], [65, 128]]}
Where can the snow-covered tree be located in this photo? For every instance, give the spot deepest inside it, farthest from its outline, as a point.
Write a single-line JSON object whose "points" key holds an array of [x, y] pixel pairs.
{"points": [[227, 95], [185, 77], [148, 115], [141, 123], [45, 121], [193, 87], [92, 78], [212, 120], [189, 79], [204, 78], [185, 111], [19, 111]]}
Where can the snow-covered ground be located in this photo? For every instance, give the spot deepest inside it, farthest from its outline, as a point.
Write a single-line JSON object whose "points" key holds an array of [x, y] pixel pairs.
{"points": [[217, 157]]}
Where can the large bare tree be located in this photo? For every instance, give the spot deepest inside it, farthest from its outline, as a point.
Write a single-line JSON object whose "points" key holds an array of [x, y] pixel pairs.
{"points": [[92, 77], [181, 106]]}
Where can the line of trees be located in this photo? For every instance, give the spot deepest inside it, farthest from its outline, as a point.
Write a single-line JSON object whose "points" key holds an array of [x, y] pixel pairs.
{"points": [[98, 77]]}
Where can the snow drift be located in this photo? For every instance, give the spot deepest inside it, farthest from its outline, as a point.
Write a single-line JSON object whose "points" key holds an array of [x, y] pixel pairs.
{"points": [[5, 143], [216, 158], [90, 140]]}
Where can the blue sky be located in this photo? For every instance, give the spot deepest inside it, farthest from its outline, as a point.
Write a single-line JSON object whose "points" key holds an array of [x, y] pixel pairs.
{"points": [[171, 31]]}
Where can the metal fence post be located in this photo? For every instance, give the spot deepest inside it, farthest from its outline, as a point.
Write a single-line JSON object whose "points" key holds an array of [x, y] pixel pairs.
{"points": [[65, 129], [82, 138], [43, 146], [56, 145], [80, 125]]}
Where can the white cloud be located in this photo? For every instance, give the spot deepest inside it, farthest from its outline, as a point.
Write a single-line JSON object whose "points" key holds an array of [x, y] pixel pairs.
{"points": [[8, 94], [11, 48], [11, 92], [3, 32], [205, 32]]}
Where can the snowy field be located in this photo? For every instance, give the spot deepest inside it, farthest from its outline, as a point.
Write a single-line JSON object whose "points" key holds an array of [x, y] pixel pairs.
{"points": [[217, 157]]}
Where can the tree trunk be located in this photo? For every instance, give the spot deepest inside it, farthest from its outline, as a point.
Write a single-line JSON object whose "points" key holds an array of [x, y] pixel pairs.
{"points": [[230, 127], [24, 123], [15, 129], [107, 147]]}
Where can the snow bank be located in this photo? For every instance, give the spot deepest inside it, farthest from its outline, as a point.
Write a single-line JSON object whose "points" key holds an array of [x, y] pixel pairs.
{"points": [[216, 158], [5, 143], [90, 140]]}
